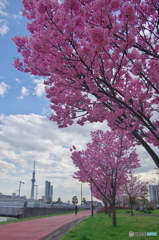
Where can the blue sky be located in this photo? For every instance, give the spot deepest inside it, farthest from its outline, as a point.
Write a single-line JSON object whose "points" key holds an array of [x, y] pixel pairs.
{"points": [[18, 85], [27, 135]]}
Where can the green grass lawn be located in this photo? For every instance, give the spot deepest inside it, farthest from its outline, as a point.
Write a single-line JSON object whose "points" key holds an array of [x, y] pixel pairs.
{"points": [[100, 227], [155, 211]]}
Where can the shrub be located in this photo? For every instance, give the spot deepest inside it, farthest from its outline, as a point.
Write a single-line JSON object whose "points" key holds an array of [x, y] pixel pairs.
{"points": [[149, 208], [149, 212]]}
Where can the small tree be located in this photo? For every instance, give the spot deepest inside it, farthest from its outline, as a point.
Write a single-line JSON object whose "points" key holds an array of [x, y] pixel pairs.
{"points": [[49, 200], [59, 200], [105, 164], [134, 188], [75, 200], [143, 200], [84, 201], [144, 195]]}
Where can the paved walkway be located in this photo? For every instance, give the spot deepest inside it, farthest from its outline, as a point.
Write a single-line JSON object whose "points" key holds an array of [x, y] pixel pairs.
{"points": [[41, 229]]}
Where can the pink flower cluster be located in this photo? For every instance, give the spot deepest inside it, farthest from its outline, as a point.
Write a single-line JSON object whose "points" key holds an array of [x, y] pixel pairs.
{"points": [[101, 58], [106, 163]]}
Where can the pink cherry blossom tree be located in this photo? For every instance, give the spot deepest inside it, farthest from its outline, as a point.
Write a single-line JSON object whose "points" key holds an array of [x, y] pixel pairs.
{"points": [[105, 164], [134, 188], [101, 61]]}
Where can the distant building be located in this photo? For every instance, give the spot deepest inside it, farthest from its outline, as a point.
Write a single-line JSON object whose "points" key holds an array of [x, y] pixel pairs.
{"points": [[13, 195], [154, 193], [4, 196], [11, 200], [88, 204], [48, 192]]}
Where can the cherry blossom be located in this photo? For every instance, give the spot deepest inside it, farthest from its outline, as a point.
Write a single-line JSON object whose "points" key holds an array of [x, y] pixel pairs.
{"points": [[106, 164], [101, 62], [134, 188]]}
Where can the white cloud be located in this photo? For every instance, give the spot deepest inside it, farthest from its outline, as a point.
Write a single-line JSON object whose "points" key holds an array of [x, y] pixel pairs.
{"points": [[18, 80], [7, 167], [28, 138], [3, 27], [39, 89], [17, 16], [3, 4], [3, 88], [24, 93]]}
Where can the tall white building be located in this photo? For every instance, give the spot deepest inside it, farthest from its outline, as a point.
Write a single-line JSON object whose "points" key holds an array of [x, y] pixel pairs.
{"points": [[48, 191], [154, 193]]}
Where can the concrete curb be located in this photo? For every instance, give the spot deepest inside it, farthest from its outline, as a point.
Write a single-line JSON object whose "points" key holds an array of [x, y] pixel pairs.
{"points": [[60, 232]]}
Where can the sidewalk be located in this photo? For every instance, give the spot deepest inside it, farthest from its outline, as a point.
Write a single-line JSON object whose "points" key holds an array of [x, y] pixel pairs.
{"points": [[42, 229]]}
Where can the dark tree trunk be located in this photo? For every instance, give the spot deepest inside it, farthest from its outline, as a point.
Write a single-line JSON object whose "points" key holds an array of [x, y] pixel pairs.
{"points": [[114, 216], [113, 212], [106, 206], [147, 147], [132, 213], [110, 210]]}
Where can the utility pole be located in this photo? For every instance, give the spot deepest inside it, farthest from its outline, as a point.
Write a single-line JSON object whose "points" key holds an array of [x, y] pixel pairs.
{"points": [[81, 195], [20, 187]]}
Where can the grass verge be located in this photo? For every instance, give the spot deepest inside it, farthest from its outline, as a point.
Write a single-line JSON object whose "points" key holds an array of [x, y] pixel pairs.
{"points": [[31, 218], [100, 227], [155, 211]]}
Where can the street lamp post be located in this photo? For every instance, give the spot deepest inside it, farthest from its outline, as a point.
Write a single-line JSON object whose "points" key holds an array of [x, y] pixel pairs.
{"points": [[81, 195], [20, 186], [36, 190], [91, 200]]}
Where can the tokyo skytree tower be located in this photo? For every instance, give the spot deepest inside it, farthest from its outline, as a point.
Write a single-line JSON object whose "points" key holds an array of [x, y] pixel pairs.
{"points": [[33, 183]]}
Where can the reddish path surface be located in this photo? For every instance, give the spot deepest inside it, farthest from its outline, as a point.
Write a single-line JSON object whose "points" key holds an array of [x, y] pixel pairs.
{"points": [[37, 228]]}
